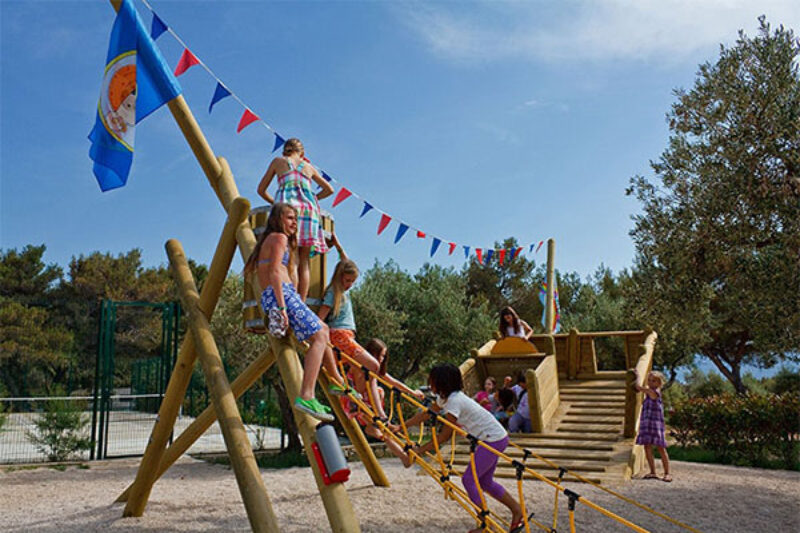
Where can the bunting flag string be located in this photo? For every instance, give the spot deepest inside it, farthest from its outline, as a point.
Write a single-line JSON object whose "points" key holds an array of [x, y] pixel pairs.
{"points": [[188, 59]]}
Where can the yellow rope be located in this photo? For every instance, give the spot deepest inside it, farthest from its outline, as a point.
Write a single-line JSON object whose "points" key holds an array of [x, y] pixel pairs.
{"points": [[530, 471]]}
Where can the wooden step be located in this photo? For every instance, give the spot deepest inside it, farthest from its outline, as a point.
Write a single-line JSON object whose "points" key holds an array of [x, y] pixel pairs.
{"points": [[588, 429], [592, 419], [564, 444], [600, 405], [593, 393], [588, 397], [596, 411], [578, 436], [592, 384], [578, 466], [554, 454]]}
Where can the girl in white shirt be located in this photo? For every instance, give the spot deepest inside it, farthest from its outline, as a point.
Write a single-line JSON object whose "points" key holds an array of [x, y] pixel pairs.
{"points": [[512, 325], [445, 381]]}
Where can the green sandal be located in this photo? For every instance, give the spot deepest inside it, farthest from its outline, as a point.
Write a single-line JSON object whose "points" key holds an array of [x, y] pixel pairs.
{"points": [[314, 408]]}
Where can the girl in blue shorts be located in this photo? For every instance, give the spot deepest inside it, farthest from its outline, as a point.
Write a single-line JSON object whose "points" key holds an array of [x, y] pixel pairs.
{"points": [[272, 259]]}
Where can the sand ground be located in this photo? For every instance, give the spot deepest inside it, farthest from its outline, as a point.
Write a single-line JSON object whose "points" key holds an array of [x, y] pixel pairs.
{"points": [[198, 496]]}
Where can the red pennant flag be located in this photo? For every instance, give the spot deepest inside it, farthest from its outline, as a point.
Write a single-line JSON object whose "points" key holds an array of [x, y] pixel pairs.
{"points": [[385, 219], [342, 195], [501, 255], [540, 245], [479, 253], [248, 117], [420, 234], [452, 247], [186, 61]]}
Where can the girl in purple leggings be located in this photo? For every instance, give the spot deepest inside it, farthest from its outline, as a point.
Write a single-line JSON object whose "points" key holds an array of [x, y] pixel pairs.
{"points": [[460, 409]]}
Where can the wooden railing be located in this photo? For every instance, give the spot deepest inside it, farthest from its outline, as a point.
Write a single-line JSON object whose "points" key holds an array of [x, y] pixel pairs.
{"points": [[633, 399], [543, 396]]}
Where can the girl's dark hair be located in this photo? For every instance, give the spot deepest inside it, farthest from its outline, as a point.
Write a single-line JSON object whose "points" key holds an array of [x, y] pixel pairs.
{"points": [[505, 397], [504, 312], [375, 347], [445, 379], [274, 225]]}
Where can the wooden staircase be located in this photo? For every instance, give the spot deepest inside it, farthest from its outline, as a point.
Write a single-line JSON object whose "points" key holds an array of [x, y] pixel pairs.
{"points": [[584, 436]]}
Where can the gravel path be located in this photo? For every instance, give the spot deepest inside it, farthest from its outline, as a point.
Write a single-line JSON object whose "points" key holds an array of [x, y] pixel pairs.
{"points": [[198, 496]]}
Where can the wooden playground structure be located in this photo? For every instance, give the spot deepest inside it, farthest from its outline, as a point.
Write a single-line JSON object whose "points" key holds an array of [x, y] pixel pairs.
{"points": [[557, 367]]}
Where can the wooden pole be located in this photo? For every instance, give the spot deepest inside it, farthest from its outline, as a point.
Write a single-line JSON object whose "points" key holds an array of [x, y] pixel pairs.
{"points": [[248, 477], [341, 516], [196, 429], [356, 436], [182, 373], [550, 318]]}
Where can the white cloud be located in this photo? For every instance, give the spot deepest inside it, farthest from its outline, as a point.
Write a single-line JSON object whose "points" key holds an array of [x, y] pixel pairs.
{"points": [[663, 30]]}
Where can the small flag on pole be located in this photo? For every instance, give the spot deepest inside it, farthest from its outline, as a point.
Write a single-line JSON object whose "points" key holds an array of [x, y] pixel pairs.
{"points": [[385, 219], [341, 196], [187, 61]]}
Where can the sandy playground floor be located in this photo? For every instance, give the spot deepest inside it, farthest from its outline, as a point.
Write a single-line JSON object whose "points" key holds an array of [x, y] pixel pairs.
{"points": [[198, 496]]}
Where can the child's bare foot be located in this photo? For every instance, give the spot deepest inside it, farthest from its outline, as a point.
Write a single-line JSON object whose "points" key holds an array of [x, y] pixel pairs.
{"points": [[667, 478]]}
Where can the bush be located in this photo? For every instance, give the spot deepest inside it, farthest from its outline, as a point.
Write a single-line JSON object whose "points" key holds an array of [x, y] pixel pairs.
{"points": [[786, 381], [3, 416], [743, 430], [61, 430]]}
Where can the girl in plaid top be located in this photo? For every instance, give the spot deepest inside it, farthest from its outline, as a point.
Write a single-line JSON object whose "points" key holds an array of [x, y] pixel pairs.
{"points": [[651, 424], [294, 188]]}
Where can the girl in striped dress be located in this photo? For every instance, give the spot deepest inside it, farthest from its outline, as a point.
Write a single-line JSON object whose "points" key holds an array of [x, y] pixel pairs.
{"points": [[295, 178], [651, 424]]}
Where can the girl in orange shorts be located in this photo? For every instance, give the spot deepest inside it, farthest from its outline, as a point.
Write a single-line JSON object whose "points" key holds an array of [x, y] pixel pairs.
{"points": [[337, 311]]}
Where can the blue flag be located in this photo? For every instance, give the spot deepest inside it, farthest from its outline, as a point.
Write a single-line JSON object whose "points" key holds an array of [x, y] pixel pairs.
{"points": [[136, 82]]}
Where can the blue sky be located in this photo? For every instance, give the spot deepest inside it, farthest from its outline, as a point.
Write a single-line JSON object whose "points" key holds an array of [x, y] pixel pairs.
{"points": [[470, 121]]}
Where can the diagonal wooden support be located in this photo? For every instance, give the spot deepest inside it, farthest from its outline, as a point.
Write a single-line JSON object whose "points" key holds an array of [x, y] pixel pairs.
{"points": [[337, 504], [182, 373], [196, 429], [248, 477]]}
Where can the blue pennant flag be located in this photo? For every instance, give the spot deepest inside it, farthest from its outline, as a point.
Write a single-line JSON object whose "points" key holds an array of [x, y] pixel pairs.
{"points": [[328, 178], [219, 93], [136, 82], [489, 254], [366, 210], [157, 27], [278, 142], [466, 252], [531, 248], [401, 230], [435, 245]]}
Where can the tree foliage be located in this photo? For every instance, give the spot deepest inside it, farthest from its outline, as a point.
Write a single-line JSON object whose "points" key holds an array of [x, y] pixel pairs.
{"points": [[424, 318], [717, 267]]}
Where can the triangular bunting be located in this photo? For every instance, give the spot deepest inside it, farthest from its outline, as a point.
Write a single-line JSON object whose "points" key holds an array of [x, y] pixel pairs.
{"points": [[452, 247], [501, 255], [401, 230], [385, 219], [341, 196], [157, 27], [219, 93], [435, 245], [466, 252], [248, 117], [367, 208], [279, 141], [479, 253], [324, 175], [540, 245], [186, 61], [530, 250], [489, 254], [420, 234]]}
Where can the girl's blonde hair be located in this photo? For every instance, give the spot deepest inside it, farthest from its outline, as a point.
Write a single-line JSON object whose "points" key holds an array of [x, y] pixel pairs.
{"points": [[274, 225], [292, 146], [659, 376], [344, 267]]}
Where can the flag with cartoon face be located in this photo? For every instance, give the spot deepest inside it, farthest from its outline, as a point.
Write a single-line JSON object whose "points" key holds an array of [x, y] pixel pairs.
{"points": [[136, 82]]}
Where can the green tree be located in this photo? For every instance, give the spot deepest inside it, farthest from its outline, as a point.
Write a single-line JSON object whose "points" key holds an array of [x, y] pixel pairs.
{"points": [[24, 277], [423, 318], [717, 268]]}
